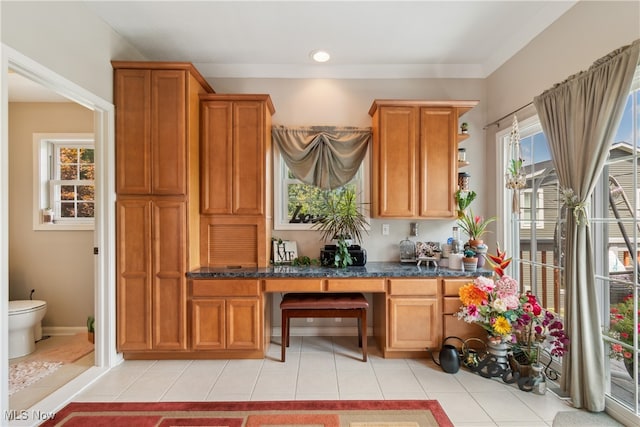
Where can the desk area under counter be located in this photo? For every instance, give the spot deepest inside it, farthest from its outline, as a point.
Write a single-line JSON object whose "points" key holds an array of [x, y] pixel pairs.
{"points": [[230, 309]]}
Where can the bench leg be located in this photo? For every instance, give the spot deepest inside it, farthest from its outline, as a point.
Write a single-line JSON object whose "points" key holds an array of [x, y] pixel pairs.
{"points": [[363, 333], [285, 334]]}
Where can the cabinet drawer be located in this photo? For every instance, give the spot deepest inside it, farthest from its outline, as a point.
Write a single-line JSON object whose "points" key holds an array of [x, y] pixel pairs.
{"points": [[293, 285], [413, 287], [214, 288], [356, 285], [451, 305], [450, 287]]}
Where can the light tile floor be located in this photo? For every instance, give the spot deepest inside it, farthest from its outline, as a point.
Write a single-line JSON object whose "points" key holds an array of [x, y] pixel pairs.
{"points": [[326, 368]]}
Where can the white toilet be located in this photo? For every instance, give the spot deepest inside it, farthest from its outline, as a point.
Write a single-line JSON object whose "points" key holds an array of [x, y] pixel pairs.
{"points": [[25, 326]]}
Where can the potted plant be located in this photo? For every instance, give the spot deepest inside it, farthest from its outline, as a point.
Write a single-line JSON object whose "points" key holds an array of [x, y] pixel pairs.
{"points": [[470, 260], [464, 127], [463, 200], [343, 222], [475, 226]]}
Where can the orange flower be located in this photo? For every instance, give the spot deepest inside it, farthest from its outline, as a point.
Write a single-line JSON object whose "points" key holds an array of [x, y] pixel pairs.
{"points": [[471, 295]]}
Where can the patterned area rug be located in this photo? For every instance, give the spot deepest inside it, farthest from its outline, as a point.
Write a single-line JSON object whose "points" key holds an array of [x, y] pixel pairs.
{"points": [[330, 413], [23, 374]]}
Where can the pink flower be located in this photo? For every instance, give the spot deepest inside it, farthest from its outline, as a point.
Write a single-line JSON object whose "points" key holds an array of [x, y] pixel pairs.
{"points": [[506, 285], [485, 284]]}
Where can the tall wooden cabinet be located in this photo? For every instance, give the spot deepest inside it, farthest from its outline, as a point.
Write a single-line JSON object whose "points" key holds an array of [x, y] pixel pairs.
{"points": [[414, 157], [236, 180], [157, 184]]}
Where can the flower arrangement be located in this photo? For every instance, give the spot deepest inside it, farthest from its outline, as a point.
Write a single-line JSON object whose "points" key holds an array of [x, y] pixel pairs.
{"points": [[474, 226], [535, 326], [621, 327], [510, 316]]}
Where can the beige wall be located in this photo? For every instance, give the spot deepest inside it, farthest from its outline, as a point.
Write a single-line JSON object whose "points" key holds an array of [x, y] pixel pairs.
{"points": [[57, 264], [67, 38], [587, 32], [346, 102]]}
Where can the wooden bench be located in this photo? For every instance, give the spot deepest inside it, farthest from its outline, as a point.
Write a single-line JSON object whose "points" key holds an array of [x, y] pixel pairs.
{"points": [[325, 305]]}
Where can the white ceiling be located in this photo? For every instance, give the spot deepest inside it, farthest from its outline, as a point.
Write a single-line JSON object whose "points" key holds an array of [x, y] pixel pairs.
{"points": [[366, 39]]}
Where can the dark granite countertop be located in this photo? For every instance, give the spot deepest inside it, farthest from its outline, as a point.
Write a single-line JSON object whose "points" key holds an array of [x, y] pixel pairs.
{"points": [[371, 269]]}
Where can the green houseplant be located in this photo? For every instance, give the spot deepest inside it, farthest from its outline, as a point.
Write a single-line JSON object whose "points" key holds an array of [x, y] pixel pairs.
{"points": [[343, 221], [463, 200], [475, 226]]}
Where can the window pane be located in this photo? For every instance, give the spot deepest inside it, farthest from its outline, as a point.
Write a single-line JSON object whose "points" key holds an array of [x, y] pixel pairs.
{"points": [[68, 155], [85, 210], [68, 192], [86, 155], [85, 192], [87, 172], [68, 172], [67, 210]]}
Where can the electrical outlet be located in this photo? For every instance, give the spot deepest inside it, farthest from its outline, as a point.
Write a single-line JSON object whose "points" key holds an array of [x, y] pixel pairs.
{"points": [[309, 319], [338, 319], [385, 229]]}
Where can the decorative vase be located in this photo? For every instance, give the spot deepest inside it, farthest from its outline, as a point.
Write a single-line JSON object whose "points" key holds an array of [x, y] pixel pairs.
{"points": [[538, 380], [481, 250], [498, 350], [470, 264]]}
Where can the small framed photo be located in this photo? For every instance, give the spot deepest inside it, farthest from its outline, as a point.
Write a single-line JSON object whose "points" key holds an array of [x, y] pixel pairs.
{"points": [[284, 251]]}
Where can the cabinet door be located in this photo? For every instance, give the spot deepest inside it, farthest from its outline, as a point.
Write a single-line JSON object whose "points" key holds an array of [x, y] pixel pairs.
{"points": [[217, 157], [208, 324], [133, 141], [168, 131], [395, 162], [438, 162], [169, 281], [413, 323], [243, 323], [248, 157], [133, 310]]}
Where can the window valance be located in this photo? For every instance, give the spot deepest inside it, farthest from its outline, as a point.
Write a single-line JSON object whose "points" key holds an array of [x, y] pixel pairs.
{"points": [[325, 156]]}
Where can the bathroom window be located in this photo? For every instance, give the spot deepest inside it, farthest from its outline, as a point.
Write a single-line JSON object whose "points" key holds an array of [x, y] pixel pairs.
{"points": [[65, 188]]}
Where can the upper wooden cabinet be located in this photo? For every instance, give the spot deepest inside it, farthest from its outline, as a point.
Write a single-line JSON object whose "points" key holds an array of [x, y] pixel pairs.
{"points": [[236, 143], [156, 112], [414, 159]]}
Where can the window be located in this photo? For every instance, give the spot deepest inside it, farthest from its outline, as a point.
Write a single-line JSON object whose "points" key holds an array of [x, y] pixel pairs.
{"points": [[529, 203], [615, 225], [297, 205], [536, 249], [65, 187]]}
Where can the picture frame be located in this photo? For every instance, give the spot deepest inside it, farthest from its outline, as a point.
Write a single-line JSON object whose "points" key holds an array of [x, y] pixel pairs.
{"points": [[284, 251]]}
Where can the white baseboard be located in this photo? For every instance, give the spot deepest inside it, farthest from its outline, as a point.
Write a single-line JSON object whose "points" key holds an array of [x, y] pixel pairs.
{"points": [[321, 331], [62, 330]]}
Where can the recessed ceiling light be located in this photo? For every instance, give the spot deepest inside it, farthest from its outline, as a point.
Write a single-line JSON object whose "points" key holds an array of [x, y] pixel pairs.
{"points": [[320, 55]]}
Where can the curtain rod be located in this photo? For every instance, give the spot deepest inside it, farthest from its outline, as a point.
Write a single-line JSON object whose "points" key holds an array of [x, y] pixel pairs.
{"points": [[497, 122]]}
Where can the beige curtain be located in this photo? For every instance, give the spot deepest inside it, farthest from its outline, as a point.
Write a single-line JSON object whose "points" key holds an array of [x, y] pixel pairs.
{"points": [[325, 156], [579, 117]]}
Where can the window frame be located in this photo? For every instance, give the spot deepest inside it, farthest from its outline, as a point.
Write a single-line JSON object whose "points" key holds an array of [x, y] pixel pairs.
{"points": [[44, 147], [281, 181]]}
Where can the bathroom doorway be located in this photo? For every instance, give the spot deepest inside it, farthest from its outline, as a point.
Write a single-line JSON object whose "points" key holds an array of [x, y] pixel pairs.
{"points": [[99, 297]]}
